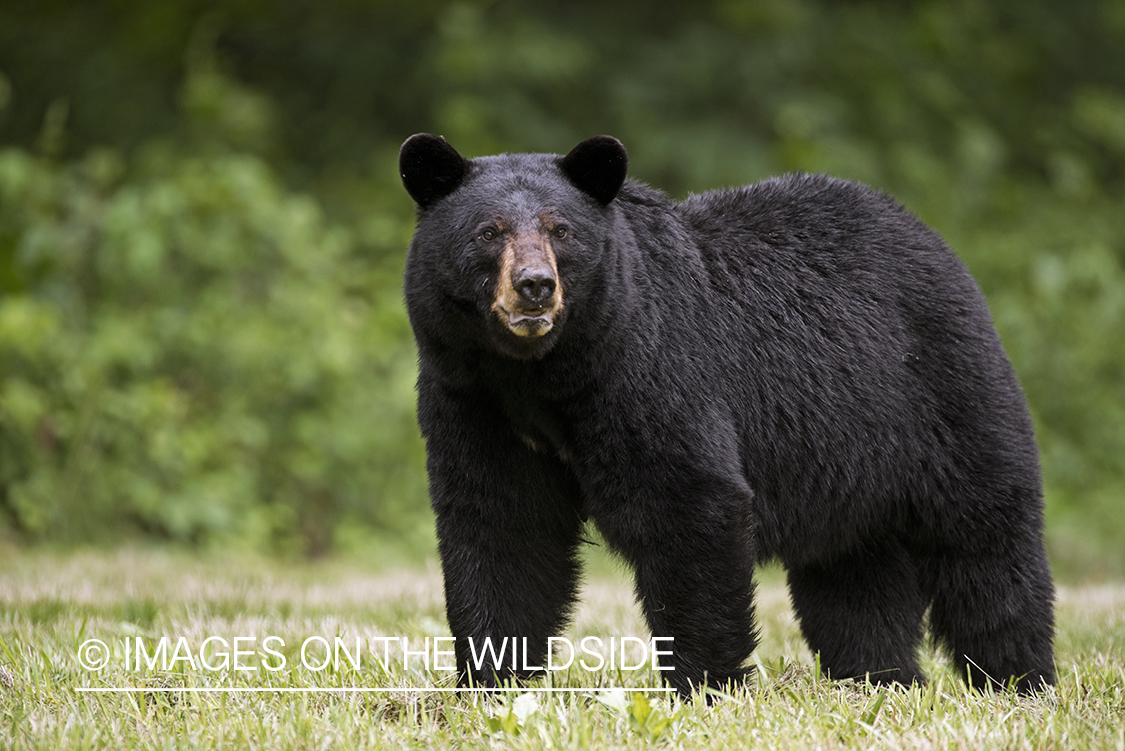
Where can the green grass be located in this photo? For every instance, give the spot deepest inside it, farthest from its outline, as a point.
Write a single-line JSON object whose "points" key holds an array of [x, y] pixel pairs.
{"points": [[51, 604]]}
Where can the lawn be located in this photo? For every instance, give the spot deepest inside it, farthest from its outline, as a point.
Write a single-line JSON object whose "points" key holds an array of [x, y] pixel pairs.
{"points": [[244, 665]]}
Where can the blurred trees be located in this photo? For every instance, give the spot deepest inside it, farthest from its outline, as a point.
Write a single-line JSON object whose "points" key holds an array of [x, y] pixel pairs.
{"points": [[202, 231], [203, 357]]}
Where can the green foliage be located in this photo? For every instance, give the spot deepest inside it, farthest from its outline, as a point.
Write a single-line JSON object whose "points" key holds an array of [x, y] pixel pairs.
{"points": [[197, 354], [201, 225]]}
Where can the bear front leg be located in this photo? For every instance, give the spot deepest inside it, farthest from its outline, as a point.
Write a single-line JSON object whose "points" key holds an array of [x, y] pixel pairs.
{"points": [[510, 583], [692, 551], [508, 527]]}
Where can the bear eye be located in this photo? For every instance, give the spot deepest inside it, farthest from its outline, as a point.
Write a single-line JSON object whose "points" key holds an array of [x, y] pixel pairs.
{"points": [[489, 234], [560, 232]]}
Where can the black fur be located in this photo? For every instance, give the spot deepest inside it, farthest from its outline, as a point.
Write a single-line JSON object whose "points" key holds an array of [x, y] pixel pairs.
{"points": [[796, 370], [597, 166], [430, 168]]}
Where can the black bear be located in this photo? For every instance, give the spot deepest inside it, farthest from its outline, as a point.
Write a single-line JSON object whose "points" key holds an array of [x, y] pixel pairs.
{"points": [[797, 370]]}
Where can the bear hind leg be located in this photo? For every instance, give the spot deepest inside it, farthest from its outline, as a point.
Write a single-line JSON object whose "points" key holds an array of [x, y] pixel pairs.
{"points": [[994, 614], [862, 613]]}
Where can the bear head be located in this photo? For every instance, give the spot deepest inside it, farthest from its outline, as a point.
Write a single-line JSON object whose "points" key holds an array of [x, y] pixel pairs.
{"points": [[506, 245]]}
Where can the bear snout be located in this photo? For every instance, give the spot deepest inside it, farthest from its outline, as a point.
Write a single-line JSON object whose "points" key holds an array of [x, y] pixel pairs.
{"points": [[528, 291], [535, 286]]}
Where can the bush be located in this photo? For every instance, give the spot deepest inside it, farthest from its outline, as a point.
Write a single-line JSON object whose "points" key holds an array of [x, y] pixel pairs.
{"points": [[197, 354]]}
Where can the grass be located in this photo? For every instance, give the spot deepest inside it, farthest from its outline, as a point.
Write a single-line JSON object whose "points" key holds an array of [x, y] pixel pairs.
{"points": [[51, 604]]}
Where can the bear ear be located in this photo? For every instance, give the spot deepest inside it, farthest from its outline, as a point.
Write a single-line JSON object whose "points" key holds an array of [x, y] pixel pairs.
{"points": [[597, 167], [431, 169]]}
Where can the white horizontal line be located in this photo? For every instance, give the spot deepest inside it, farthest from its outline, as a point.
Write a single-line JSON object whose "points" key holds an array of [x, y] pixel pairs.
{"points": [[357, 690]]}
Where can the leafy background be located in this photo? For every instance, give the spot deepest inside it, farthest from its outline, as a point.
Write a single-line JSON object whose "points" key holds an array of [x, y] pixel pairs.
{"points": [[202, 232]]}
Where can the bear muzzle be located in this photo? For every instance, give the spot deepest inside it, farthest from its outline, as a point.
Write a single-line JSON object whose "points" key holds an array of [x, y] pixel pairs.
{"points": [[528, 293]]}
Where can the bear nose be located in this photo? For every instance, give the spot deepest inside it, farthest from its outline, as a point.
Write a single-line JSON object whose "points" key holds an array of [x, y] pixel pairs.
{"points": [[535, 285]]}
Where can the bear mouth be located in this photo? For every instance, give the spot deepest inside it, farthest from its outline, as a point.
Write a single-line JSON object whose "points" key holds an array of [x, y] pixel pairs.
{"points": [[528, 322]]}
